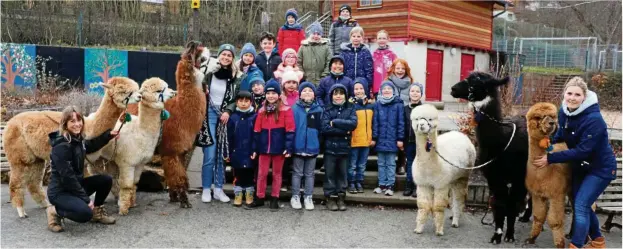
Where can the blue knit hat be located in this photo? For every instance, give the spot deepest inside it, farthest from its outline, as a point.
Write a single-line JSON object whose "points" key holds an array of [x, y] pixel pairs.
{"points": [[307, 84], [248, 48], [257, 79], [363, 82], [292, 12], [274, 86], [315, 27], [226, 47]]}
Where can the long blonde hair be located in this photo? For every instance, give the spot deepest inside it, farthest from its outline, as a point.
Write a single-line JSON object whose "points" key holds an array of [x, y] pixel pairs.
{"points": [[67, 115]]}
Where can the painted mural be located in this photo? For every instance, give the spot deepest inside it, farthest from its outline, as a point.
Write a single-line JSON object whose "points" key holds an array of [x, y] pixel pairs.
{"points": [[102, 64], [18, 66]]}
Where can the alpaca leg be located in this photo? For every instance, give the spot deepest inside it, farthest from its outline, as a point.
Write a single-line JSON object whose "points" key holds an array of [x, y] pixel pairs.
{"points": [[539, 211], [113, 170], [500, 195], [34, 182], [138, 170], [18, 172], [459, 192], [440, 202], [176, 179], [424, 204], [555, 220], [516, 199], [126, 181]]}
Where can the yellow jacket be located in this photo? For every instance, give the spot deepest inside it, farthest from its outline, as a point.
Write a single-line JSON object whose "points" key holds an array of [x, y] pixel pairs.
{"points": [[362, 135]]}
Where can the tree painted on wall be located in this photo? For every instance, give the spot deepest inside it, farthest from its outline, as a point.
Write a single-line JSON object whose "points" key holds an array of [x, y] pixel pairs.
{"points": [[101, 65], [18, 66]]}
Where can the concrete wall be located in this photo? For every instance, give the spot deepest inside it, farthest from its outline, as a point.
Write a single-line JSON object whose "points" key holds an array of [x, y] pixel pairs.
{"points": [[415, 54]]}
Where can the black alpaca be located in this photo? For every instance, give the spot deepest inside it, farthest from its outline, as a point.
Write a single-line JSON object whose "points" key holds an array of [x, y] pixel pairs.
{"points": [[506, 171]]}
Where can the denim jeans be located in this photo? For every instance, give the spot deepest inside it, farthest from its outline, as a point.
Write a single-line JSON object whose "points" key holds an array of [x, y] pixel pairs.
{"points": [[410, 153], [303, 166], [244, 179], [212, 169], [358, 161], [387, 168], [71, 207], [585, 219], [336, 167]]}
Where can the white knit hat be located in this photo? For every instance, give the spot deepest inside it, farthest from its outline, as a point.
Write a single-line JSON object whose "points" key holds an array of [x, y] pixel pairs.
{"points": [[289, 75]]}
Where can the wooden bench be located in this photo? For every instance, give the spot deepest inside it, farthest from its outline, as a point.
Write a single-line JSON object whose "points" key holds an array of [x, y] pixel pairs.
{"points": [[610, 201]]}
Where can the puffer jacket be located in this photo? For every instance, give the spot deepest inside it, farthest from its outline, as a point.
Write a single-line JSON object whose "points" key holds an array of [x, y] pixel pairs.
{"points": [[313, 58], [274, 136], [337, 137], [340, 33], [240, 136], [586, 134], [388, 124], [358, 63], [307, 132], [364, 108], [290, 37], [268, 64], [67, 163], [383, 59], [409, 133], [253, 72], [322, 93]]}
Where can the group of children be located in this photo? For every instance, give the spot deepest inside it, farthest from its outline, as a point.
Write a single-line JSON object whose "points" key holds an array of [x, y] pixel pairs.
{"points": [[296, 98]]}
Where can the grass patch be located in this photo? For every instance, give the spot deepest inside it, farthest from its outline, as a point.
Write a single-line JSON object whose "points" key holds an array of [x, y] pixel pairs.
{"points": [[552, 70]]}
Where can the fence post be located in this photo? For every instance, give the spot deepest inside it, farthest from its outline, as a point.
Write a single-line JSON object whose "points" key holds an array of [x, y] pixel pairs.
{"points": [[79, 28]]}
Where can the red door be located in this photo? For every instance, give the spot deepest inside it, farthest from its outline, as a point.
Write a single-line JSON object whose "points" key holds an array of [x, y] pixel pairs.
{"points": [[467, 65], [434, 70]]}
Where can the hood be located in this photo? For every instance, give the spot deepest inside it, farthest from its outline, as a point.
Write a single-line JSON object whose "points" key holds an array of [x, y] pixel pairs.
{"points": [[349, 46], [591, 100], [335, 86], [336, 57], [56, 138], [308, 41], [363, 82], [307, 84], [389, 83]]}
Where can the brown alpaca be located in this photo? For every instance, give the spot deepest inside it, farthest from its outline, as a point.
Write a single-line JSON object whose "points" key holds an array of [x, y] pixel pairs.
{"points": [[549, 184], [26, 138], [187, 110]]}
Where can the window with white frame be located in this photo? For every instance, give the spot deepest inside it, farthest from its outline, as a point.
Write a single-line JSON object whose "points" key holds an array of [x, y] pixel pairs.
{"points": [[369, 3]]}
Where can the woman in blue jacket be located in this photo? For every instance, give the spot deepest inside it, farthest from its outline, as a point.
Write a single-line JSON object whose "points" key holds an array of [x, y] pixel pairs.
{"points": [[584, 130]]}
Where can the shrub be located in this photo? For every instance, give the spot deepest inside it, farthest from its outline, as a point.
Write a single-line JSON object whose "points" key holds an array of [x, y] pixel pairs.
{"points": [[607, 85], [86, 103]]}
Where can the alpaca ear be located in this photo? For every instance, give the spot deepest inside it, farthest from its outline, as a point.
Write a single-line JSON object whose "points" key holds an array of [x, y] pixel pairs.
{"points": [[502, 81], [105, 85]]}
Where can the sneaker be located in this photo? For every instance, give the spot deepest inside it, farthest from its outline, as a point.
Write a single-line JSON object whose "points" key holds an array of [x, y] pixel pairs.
{"points": [[379, 190], [295, 202], [341, 205], [220, 195], [309, 203], [256, 203], [351, 188], [389, 192], [332, 203], [274, 204], [322, 168], [206, 196], [359, 187], [284, 189], [238, 199]]}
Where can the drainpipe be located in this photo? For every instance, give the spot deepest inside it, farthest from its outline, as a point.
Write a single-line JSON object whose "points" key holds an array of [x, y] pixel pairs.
{"points": [[504, 11]]}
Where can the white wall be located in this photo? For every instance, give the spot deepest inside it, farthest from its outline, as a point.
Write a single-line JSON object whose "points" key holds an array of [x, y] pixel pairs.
{"points": [[415, 54]]}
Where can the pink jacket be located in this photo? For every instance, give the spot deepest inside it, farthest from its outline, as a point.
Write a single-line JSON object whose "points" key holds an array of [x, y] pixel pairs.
{"points": [[289, 99], [383, 59], [282, 69]]}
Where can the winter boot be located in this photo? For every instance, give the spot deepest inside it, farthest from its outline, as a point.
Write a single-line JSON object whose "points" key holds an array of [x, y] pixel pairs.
{"points": [[351, 188], [256, 203], [408, 189], [402, 161], [274, 204], [341, 205], [599, 242], [99, 215], [55, 222], [332, 203], [238, 199], [249, 197]]}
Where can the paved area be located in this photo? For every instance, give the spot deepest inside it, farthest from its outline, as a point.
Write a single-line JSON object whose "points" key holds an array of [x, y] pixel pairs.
{"points": [[157, 223]]}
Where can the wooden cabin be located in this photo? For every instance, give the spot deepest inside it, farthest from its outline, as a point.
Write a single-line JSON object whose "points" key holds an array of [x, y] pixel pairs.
{"points": [[441, 40]]}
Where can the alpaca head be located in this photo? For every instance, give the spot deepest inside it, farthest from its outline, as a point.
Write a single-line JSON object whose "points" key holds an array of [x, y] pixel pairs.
{"points": [[122, 90], [479, 88], [424, 119], [155, 92], [198, 56], [542, 120]]}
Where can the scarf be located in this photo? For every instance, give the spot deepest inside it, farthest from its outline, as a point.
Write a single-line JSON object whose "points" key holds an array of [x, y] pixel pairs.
{"points": [[360, 101], [270, 108], [411, 105], [383, 48], [385, 100], [304, 103], [400, 83], [336, 104], [250, 109], [224, 73], [337, 74], [344, 19], [295, 26]]}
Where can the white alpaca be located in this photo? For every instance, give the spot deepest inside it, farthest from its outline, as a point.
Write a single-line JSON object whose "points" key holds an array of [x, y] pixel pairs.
{"points": [[434, 176], [136, 143]]}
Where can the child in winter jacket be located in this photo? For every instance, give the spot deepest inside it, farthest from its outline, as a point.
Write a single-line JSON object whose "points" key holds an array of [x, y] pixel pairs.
{"points": [[257, 88], [307, 114], [274, 141], [383, 58], [268, 60], [240, 136], [247, 65], [336, 76], [340, 29], [315, 54], [415, 99], [338, 122], [357, 57], [400, 74], [289, 88], [362, 136], [289, 63], [291, 33], [387, 134]]}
